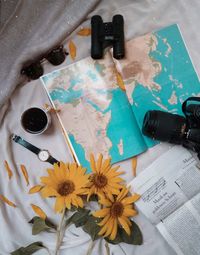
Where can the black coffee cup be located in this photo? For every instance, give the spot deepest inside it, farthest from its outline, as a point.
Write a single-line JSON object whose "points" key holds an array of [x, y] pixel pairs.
{"points": [[35, 120]]}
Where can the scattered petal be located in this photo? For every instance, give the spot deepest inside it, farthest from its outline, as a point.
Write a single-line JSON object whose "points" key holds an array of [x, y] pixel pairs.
{"points": [[35, 189], [8, 169], [84, 32], [134, 165], [120, 81], [39, 211], [72, 49], [25, 174], [4, 199]]}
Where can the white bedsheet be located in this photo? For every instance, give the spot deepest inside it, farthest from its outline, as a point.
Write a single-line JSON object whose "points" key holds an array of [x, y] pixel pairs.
{"points": [[140, 16]]}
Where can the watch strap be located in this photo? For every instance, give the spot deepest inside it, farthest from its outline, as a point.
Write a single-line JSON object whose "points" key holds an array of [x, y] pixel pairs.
{"points": [[52, 160], [26, 144]]}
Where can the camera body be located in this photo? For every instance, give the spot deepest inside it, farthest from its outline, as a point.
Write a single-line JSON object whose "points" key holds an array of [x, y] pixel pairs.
{"points": [[174, 128], [106, 34]]}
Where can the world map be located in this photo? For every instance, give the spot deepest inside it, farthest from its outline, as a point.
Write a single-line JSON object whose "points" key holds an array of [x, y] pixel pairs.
{"points": [[99, 117]]}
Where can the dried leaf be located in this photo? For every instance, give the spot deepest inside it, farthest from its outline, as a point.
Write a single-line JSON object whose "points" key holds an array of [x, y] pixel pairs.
{"points": [[5, 200], [25, 174], [39, 211], [84, 32], [9, 171], [35, 189], [120, 81], [72, 49], [28, 250], [134, 165]]}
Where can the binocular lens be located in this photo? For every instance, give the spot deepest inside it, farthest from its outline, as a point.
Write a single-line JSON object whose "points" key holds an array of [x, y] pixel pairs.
{"points": [[164, 126]]}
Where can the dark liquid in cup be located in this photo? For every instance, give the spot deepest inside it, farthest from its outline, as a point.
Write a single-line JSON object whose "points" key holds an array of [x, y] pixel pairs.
{"points": [[34, 120]]}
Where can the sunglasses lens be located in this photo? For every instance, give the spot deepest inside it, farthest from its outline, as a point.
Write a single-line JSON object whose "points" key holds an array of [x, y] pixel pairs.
{"points": [[34, 71], [56, 56]]}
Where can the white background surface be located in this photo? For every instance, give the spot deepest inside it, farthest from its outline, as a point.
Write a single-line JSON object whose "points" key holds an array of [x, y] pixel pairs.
{"points": [[140, 16]]}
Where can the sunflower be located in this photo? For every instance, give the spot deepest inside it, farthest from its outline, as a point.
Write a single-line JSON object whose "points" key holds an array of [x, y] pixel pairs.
{"points": [[66, 182], [104, 178], [117, 211]]}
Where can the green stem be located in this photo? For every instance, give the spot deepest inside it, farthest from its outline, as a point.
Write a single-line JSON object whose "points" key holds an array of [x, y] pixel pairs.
{"points": [[59, 233], [90, 248], [107, 248]]}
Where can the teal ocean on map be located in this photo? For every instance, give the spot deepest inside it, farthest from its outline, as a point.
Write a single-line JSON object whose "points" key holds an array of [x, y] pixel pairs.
{"points": [[99, 117]]}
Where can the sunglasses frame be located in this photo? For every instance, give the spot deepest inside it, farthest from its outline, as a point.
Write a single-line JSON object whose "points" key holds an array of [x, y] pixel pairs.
{"points": [[35, 69]]}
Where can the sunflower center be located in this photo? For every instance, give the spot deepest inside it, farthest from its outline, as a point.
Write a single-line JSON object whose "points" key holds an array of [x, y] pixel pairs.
{"points": [[65, 188], [100, 180], [117, 209]]}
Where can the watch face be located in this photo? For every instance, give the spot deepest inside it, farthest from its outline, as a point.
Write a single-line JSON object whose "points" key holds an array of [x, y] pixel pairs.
{"points": [[43, 155]]}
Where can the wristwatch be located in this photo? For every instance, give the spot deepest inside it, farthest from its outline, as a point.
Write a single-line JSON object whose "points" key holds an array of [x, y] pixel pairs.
{"points": [[43, 155]]}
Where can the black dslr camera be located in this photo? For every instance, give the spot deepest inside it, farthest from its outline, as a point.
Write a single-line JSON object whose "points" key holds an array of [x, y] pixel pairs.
{"points": [[174, 128], [106, 34]]}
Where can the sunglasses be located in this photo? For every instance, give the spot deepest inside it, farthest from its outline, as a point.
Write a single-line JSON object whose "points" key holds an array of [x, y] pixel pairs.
{"points": [[55, 57]]}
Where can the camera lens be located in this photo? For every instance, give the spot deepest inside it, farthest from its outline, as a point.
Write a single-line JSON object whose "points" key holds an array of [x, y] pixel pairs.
{"points": [[164, 126]]}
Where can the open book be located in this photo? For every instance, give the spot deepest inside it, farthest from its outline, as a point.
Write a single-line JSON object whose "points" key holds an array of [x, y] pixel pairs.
{"points": [[100, 117], [170, 198]]}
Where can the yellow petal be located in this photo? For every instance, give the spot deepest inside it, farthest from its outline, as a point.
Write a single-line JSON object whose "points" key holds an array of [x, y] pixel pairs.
{"points": [[110, 196], [5, 200], [101, 213], [72, 49], [39, 211], [134, 165], [122, 194], [99, 162], [91, 191], [92, 163], [49, 181], [130, 200], [25, 174], [105, 201], [68, 202], [103, 229], [104, 221], [106, 164], [84, 32], [129, 212], [125, 225], [114, 230], [49, 192], [109, 227], [79, 201], [120, 81], [8, 169], [60, 204], [114, 174], [35, 189]]}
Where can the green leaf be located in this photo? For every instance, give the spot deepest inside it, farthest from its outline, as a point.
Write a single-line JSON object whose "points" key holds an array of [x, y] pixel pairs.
{"points": [[40, 225], [92, 228], [79, 218], [28, 250], [135, 237]]}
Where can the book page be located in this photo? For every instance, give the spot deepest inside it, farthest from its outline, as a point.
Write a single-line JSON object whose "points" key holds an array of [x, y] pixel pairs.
{"points": [[158, 73], [169, 182], [94, 112], [182, 228]]}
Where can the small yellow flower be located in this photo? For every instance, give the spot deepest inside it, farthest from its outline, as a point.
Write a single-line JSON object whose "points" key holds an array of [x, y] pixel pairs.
{"points": [[67, 183], [117, 211], [104, 178]]}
